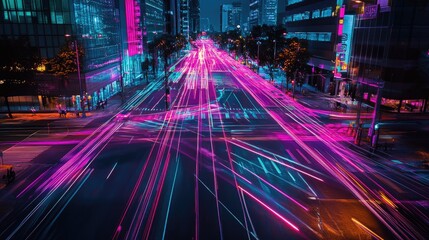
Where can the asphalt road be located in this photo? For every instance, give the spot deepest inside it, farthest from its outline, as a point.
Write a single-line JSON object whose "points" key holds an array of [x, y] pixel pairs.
{"points": [[233, 158]]}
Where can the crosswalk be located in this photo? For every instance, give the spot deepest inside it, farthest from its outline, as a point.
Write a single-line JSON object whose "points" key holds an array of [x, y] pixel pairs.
{"points": [[249, 115], [225, 113]]}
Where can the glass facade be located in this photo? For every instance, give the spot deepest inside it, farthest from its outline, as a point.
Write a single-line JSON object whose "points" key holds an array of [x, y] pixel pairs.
{"points": [[269, 12], [153, 19], [184, 18], [311, 36], [194, 15], [305, 15], [93, 24], [390, 44], [254, 14], [262, 12]]}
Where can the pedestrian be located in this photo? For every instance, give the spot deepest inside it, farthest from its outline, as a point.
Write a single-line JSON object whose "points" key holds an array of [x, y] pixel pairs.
{"points": [[33, 110]]}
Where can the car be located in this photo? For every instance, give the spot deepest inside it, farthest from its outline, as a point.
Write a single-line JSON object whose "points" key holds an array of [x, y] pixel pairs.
{"points": [[124, 115]]}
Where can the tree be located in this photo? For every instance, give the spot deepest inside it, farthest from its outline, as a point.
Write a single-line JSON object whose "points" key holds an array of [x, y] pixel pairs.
{"points": [[294, 58], [64, 63], [272, 41], [168, 44]]}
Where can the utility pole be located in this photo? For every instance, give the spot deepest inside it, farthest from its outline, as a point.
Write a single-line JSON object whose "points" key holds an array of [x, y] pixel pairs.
{"points": [[82, 103], [121, 74], [373, 130], [258, 43], [167, 88], [358, 127]]}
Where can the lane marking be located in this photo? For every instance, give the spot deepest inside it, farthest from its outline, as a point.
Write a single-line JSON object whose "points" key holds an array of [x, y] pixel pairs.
{"points": [[112, 170], [263, 166]]}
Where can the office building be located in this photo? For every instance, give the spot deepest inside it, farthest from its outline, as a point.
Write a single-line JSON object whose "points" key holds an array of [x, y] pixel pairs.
{"points": [[262, 12], [45, 25], [317, 22], [194, 16], [391, 50], [225, 17], [237, 11], [152, 19]]}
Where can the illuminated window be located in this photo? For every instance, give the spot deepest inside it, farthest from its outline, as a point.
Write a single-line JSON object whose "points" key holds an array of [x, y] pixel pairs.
{"points": [[327, 12], [316, 14]]}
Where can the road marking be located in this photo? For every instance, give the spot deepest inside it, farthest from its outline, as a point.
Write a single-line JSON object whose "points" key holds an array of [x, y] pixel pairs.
{"points": [[275, 166], [291, 176], [112, 170], [130, 139], [263, 166]]}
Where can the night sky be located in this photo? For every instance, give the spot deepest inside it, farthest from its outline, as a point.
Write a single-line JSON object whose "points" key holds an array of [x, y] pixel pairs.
{"points": [[211, 9]]}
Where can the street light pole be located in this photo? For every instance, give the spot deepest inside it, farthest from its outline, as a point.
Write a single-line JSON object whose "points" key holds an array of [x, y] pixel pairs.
{"points": [[275, 49], [258, 43], [80, 80], [274, 59], [121, 80]]}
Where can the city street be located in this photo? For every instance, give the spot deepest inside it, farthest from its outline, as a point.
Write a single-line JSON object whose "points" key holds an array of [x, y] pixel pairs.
{"points": [[226, 155]]}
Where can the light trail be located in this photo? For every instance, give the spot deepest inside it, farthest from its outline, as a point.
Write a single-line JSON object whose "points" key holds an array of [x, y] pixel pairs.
{"points": [[261, 92], [271, 210], [229, 160], [373, 234]]}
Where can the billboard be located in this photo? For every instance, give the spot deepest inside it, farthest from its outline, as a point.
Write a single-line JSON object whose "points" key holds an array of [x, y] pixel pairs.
{"points": [[344, 47]]}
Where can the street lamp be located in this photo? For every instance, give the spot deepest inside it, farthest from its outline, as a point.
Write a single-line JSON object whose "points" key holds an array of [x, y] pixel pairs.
{"points": [[121, 81], [274, 58], [258, 43], [78, 75], [275, 48]]}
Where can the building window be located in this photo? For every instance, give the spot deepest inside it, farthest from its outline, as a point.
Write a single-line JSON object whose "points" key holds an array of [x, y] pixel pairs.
{"points": [[316, 13], [327, 12], [306, 15], [311, 36]]}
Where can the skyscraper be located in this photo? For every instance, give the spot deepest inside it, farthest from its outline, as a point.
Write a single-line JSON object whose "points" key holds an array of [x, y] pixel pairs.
{"points": [[153, 19], [183, 18], [269, 12], [225, 17], [254, 13], [194, 16], [178, 12], [237, 13], [262, 12]]}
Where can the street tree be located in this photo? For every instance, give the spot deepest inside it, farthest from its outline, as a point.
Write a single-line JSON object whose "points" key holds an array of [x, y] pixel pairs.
{"points": [[271, 41], [168, 44], [294, 58], [64, 63]]}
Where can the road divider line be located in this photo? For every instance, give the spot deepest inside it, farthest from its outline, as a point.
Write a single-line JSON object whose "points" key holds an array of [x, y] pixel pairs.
{"points": [[112, 170]]}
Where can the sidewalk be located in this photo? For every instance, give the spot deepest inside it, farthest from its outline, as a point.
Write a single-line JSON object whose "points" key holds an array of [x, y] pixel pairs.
{"points": [[114, 103]]}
